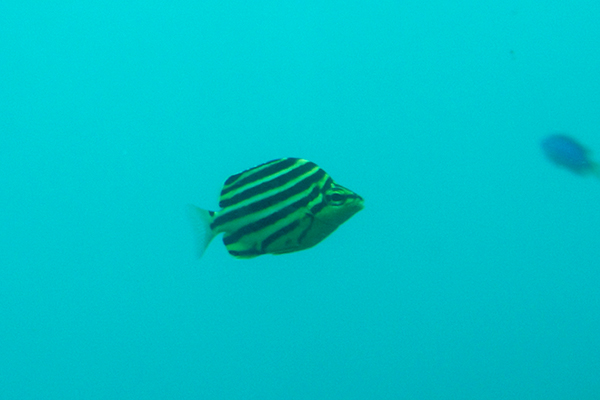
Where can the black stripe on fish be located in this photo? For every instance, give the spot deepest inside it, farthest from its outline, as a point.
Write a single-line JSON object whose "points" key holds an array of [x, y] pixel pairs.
{"points": [[257, 173], [289, 228], [267, 186], [271, 201], [259, 225]]}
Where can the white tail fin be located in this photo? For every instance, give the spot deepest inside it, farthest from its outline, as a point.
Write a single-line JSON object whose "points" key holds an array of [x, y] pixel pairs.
{"points": [[201, 220]]}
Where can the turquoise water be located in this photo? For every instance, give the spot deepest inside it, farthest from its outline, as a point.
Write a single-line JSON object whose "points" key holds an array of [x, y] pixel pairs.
{"points": [[472, 272]]}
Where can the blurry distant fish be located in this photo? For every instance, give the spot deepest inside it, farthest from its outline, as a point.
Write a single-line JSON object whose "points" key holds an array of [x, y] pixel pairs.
{"points": [[566, 152], [278, 207]]}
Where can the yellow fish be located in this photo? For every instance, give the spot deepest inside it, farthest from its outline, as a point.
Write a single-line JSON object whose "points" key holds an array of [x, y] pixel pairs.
{"points": [[282, 206]]}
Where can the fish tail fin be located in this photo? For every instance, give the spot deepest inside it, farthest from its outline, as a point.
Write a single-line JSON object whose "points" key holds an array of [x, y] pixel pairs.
{"points": [[201, 220]]}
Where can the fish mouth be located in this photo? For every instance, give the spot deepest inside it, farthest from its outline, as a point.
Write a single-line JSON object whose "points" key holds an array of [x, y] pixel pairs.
{"points": [[360, 202]]}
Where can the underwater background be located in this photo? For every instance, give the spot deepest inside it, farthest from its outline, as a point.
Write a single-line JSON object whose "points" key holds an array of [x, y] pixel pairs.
{"points": [[472, 273]]}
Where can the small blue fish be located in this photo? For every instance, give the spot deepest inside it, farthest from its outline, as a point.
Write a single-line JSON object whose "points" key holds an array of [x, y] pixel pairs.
{"points": [[566, 152]]}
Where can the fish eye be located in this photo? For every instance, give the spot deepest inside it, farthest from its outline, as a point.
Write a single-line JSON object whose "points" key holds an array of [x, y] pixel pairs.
{"points": [[337, 199]]}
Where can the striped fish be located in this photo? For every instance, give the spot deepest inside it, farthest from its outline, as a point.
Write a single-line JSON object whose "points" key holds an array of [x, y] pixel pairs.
{"points": [[279, 207]]}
